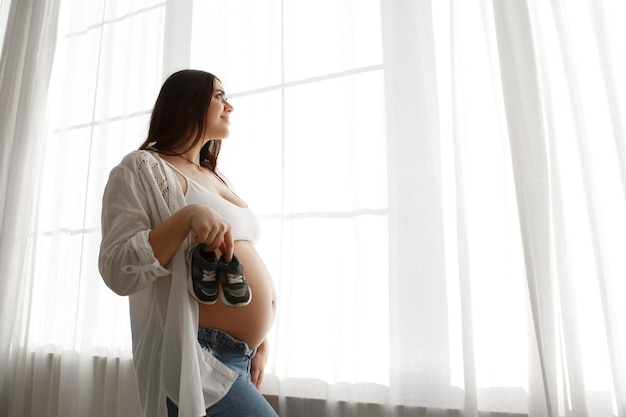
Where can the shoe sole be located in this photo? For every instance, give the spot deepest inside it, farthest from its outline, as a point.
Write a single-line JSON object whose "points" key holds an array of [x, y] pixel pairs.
{"points": [[229, 304], [192, 291]]}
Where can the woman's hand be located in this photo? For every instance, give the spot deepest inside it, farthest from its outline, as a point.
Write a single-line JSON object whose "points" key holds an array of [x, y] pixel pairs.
{"points": [[259, 361], [208, 227], [211, 229]]}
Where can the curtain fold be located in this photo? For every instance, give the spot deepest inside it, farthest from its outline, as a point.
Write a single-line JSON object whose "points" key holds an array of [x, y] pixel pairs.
{"points": [[419, 365], [591, 122], [28, 49], [520, 87], [593, 198]]}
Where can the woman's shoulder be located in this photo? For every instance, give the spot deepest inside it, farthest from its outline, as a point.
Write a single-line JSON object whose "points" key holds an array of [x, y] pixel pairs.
{"points": [[137, 162], [142, 167], [139, 158]]}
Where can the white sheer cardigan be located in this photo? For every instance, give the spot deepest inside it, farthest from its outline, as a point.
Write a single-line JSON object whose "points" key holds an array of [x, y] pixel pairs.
{"points": [[141, 193]]}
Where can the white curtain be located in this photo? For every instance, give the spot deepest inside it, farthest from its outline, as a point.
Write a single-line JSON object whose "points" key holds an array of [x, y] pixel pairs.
{"points": [[29, 35], [441, 185]]}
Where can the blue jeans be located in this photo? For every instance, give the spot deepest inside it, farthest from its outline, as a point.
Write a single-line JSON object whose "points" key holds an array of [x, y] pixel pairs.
{"points": [[243, 399]]}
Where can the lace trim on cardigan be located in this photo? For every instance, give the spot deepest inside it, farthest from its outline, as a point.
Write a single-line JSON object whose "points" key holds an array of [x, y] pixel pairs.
{"points": [[147, 161]]}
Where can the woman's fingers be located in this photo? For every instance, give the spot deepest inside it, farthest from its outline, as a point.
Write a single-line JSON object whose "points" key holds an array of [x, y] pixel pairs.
{"points": [[215, 233], [257, 377], [214, 241], [228, 245]]}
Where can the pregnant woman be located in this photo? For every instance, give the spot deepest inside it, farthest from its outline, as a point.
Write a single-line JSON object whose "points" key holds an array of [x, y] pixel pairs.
{"points": [[174, 236]]}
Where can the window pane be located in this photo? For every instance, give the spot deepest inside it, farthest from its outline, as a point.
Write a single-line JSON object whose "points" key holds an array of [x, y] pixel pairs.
{"points": [[337, 293], [73, 82], [329, 36], [130, 67], [238, 40], [335, 142]]}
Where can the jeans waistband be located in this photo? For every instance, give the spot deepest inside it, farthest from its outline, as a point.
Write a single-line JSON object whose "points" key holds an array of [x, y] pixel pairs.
{"points": [[214, 337]]}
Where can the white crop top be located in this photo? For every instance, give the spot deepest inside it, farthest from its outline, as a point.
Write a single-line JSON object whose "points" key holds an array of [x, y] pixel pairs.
{"points": [[244, 222]]}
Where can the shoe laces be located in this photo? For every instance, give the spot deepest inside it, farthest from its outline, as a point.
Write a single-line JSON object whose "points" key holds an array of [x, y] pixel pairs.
{"points": [[208, 275], [234, 278]]}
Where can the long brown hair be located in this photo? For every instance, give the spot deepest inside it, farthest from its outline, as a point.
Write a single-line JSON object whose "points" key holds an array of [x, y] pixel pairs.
{"points": [[179, 111]]}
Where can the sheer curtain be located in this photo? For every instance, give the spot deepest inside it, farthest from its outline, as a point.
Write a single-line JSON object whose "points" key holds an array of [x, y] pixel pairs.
{"points": [[441, 186], [29, 37]]}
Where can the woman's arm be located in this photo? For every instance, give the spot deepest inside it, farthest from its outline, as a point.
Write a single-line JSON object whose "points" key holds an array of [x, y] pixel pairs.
{"points": [[135, 246]]}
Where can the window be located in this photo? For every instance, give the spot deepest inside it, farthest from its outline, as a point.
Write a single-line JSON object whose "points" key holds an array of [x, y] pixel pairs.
{"points": [[306, 151]]}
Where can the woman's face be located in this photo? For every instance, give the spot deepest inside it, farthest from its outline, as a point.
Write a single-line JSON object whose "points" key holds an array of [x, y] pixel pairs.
{"points": [[218, 113]]}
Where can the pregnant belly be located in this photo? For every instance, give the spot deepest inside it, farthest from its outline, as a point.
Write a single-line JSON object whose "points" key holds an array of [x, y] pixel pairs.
{"points": [[250, 323]]}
